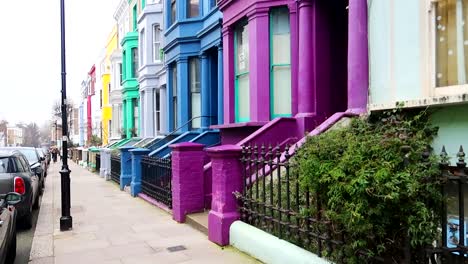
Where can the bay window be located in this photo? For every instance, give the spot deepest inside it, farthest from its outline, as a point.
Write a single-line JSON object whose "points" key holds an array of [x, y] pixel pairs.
{"points": [[173, 11]]}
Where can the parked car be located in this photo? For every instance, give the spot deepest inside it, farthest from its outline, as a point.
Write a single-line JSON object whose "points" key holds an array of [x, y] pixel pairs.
{"points": [[47, 154], [43, 160], [35, 162], [16, 175], [8, 215]]}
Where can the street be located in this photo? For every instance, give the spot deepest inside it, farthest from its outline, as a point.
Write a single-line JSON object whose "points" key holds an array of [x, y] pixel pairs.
{"points": [[24, 240]]}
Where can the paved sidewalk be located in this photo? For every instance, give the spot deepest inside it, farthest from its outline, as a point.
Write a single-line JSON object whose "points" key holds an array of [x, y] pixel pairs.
{"points": [[110, 226]]}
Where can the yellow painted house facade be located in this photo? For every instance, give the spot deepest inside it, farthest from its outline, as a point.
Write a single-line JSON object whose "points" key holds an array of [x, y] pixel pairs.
{"points": [[111, 46]]}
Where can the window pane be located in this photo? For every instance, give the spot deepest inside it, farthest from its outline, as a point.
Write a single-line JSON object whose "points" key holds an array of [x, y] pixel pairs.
{"points": [[196, 109], [451, 42], [173, 11], [134, 63], [174, 96], [4, 165], [242, 48], [156, 41], [194, 8], [282, 90], [243, 97], [194, 64], [142, 47], [281, 36]]}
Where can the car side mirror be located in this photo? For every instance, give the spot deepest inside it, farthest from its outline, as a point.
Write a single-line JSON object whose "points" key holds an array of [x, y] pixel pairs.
{"points": [[13, 198], [42, 158]]}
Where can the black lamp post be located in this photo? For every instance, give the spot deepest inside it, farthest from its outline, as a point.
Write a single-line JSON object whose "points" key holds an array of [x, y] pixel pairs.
{"points": [[66, 221]]}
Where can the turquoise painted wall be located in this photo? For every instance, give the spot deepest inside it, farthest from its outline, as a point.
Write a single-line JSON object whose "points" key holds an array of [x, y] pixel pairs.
{"points": [[379, 50], [453, 129], [394, 49]]}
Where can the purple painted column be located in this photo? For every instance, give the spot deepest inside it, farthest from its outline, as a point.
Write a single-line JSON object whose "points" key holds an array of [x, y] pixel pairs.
{"points": [[358, 60], [187, 179], [306, 71], [294, 56], [228, 80], [227, 178], [259, 65]]}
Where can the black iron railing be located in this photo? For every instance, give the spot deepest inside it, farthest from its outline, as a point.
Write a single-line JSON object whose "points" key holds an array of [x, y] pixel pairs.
{"points": [[98, 163], [453, 246], [156, 176], [272, 200], [115, 168]]}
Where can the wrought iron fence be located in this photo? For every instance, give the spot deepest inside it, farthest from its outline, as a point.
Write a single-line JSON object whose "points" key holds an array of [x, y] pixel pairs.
{"points": [[156, 176], [115, 168], [453, 245], [273, 200], [98, 162]]}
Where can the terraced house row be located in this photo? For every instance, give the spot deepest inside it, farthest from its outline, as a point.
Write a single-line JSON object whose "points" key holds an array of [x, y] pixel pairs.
{"points": [[186, 90]]}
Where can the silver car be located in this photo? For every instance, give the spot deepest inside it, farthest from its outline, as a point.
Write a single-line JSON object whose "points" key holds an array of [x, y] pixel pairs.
{"points": [[17, 176]]}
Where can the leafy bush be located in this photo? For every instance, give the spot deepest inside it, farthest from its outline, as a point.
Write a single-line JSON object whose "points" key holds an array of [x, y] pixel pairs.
{"points": [[374, 185]]}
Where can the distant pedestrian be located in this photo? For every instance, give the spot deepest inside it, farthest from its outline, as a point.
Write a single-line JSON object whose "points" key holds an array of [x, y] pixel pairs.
{"points": [[54, 155]]}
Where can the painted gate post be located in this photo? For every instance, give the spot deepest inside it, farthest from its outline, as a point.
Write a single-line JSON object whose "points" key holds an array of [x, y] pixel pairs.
{"points": [[125, 167], [187, 179], [107, 163], [137, 154], [227, 179], [102, 169]]}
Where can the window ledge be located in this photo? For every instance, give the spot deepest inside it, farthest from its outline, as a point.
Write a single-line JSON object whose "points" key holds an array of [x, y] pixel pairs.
{"points": [[438, 100]]}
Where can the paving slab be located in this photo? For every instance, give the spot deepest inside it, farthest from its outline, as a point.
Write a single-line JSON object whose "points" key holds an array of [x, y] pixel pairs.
{"points": [[111, 227]]}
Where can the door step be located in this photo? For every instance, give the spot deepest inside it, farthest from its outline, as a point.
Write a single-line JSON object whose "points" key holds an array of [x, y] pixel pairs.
{"points": [[199, 221]]}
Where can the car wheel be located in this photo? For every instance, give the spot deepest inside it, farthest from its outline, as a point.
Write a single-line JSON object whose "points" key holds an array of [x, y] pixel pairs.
{"points": [[37, 202], [11, 254]]}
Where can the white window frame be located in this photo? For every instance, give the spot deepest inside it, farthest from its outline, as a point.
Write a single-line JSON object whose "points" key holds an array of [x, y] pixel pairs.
{"points": [[156, 43], [451, 90], [142, 47]]}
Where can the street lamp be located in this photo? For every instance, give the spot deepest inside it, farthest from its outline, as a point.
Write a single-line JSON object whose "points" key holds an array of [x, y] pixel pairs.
{"points": [[66, 221]]}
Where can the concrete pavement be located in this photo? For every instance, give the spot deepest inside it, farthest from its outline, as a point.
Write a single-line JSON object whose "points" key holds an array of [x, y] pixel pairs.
{"points": [[110, 226]]}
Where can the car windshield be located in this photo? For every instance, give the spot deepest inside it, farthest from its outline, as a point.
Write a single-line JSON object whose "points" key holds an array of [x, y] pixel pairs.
{"points": [[3, 165], [30, 154]]}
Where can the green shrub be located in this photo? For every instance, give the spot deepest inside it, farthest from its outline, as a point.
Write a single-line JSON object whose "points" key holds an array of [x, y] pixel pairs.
{"points": [[370, 192]]}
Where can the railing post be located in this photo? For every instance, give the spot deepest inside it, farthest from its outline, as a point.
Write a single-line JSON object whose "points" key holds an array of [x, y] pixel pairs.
{"points": [[137, 154], [227, 179], [102, 169], [125, 167], [106, 162], [187, 179]]}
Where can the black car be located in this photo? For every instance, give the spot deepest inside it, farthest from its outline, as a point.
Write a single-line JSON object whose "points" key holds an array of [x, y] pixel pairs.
{"points": [[17, 175], [8, 227], [35, 161]]}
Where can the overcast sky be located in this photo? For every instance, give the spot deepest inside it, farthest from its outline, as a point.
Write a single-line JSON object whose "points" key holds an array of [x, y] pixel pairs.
{"points": [[30, 53]]}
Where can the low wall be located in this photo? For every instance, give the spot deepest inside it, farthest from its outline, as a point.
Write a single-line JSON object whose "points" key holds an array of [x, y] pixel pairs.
{"points": [[268, 248]]}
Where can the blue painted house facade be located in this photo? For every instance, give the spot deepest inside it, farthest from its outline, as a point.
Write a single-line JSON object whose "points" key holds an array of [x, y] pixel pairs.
{"points": [[193, 55]]}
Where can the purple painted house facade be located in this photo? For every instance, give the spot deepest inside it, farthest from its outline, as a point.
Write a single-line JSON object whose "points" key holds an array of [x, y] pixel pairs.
{"points": [[289, 65]]}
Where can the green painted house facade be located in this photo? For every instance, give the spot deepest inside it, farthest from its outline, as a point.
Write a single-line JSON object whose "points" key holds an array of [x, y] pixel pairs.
{"points": [[130, 86]]}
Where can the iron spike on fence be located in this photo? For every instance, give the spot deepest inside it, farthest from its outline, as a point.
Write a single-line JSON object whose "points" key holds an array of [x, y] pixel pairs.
{"points": [[444, 160], [461, 158]]}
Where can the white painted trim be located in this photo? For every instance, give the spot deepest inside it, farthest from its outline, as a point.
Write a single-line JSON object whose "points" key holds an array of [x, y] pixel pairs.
{"points": [[268, 248], [441, 100]]}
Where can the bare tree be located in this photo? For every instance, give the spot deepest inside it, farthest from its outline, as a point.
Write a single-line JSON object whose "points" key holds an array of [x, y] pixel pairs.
{"points": [[31, 135]]}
